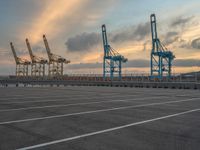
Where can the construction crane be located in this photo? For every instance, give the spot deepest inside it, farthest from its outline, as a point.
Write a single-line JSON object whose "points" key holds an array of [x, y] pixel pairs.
{"points": [[21, 64], [38, 63], [55, 62], [112, 60], [161, 57]]}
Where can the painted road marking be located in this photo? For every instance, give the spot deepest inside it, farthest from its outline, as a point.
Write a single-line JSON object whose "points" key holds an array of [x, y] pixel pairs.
{"points": [[71, 98], [77, 104], [107, 130], [94, 111], [47, 96]]}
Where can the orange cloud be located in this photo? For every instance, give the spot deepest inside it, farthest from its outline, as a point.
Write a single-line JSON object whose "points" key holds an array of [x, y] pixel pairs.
{"points": [[192, 32], [92, 57], [48, 21]]}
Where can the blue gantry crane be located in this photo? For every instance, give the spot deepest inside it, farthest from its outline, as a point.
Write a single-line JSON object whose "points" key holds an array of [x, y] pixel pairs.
{"points": [[161, 57], [112, 60]]}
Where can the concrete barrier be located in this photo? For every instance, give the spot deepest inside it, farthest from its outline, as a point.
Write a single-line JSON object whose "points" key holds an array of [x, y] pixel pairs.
{"points": [[171, 85]]}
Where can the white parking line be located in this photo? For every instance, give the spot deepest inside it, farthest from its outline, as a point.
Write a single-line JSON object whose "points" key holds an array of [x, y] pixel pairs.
{"points": [[63, 99], [71, 90], [95, 111], [60, 92], [108, 130], [77, 104], [47, 96]]}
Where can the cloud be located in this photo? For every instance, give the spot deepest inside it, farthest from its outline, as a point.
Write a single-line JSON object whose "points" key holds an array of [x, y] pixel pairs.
{"points": [[136, 33], [190, 45], [171, 37], [186, 62], [63, 18], [138, 63], [83, 42], [38, 49], [86, 41], [184, 44], [64, 21], [196, 43], [58, 20], [181, 21], [183, 30], [85, 66], [141, 31], [4, 52], [52, 14], [23, 52], [132, 63]]}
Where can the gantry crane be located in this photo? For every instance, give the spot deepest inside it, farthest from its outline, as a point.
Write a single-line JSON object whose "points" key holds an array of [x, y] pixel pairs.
{"points": [[37, 64], [112, 60], [55, 62], [21, 64], [161, 57]]}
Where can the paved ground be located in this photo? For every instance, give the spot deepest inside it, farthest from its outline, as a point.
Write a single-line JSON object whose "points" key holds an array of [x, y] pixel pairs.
{"points": [[99, 118]]}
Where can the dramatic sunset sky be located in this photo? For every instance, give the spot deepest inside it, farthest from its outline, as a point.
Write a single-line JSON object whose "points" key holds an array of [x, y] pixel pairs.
{"points": [[73, 29]]}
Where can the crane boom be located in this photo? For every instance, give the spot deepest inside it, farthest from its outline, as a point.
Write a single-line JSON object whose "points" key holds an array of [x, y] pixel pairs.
{"points": [[155, 39], [47, 48], [30, 50], [105, 40], [14, 53]]}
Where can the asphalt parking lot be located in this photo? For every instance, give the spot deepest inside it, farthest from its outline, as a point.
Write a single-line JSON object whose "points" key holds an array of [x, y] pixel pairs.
{"points": [[99, 118]]}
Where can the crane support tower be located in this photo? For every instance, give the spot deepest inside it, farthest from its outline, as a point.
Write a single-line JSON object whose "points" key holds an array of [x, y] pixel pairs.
{"points": [[37, 64], [55, 62], [21, 64], [161, 57], [112, 60]]}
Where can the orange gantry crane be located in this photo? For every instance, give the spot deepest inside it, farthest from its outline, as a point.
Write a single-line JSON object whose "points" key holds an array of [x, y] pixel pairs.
{"points": [[21, 64], [37, 64], [55, 62]]}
